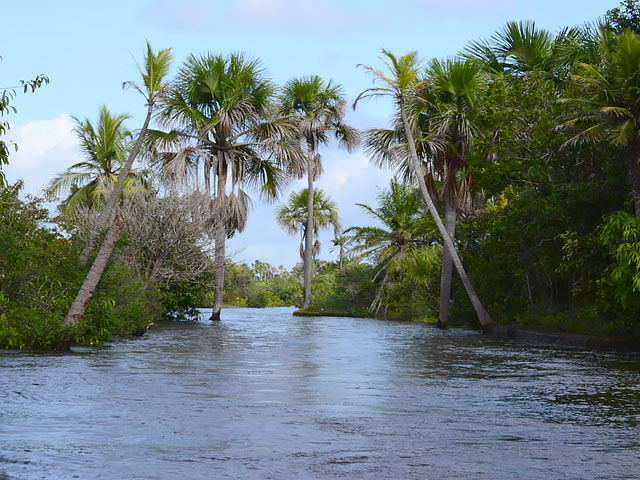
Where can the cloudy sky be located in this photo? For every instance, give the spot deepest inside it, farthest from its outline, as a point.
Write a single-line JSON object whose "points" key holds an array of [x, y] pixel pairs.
{"points": [[88, 49]]}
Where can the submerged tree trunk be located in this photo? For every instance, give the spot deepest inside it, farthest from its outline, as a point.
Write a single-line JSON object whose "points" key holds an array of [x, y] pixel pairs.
{"points": [[485, 320], [80, 304], [110, 207], [308, 239], [446, 273]]}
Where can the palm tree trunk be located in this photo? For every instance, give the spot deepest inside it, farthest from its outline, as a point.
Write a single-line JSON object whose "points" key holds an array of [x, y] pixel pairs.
{"points": [[447, 263], [80, 304], [220, 239], [308, 240], [114, 198], [207, 178], [218, 273], [485, 320]]}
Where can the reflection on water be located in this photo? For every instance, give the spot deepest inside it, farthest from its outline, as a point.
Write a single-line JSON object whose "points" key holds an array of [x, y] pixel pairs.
{"points": [[267, 395]]}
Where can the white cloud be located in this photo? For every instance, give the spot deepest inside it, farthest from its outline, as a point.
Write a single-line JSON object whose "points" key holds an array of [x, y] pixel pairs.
{"points": [[45, 148]]}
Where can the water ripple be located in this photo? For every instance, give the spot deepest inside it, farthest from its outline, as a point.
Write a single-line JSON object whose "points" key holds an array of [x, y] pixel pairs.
{"points": [[263, 394]]}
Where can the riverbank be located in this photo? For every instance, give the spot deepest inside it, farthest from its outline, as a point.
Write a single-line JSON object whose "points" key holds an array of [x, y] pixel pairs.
{"points": [[305, 312], [302, 312], [539, 335], [525, 334]]}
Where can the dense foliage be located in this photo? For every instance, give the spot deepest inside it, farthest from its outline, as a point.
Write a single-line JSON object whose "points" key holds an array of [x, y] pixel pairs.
{"points": [[261, 285], [40, 275], [40, 278], [350, 289]]}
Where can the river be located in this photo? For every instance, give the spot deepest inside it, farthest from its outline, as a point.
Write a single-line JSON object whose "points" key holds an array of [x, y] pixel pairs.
{"points": [[263, 394]]}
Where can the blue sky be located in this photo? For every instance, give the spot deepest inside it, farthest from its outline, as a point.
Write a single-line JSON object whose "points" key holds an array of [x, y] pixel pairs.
{"points": [[88, 49]]}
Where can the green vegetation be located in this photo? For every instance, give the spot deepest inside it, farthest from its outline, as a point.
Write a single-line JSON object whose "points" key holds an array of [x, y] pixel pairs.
{"points": [[517, 162], [261, 286], [40, 278], [402, 249]]}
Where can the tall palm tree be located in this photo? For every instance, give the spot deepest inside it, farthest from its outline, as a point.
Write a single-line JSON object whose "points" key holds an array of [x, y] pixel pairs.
{"points": [[293, 217], [452, 97], [401, 84], [154, 86], [105, 146], [155, 69], [226, 136], [319, 108], [606, 96], [404, 231]]}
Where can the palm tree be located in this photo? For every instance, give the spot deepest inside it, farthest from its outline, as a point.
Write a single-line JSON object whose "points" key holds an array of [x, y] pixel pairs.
{"points": [[404, 231], [105, 146], [340, 242], [155, 70], [293, 217], [517, 48], [319, 108], [403, 84], [586, 44], [606, 95], [154, 86], [521, 48], [225, 129], [452, 98]]}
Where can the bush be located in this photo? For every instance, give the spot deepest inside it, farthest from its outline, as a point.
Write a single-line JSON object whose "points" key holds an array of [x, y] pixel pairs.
{"points": [[40, 278]]}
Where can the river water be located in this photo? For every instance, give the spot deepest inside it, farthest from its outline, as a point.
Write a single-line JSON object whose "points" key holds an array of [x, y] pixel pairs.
{"points": [[263, 394]]}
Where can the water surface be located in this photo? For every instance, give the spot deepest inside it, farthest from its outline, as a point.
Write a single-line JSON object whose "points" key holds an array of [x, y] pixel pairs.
{"points": [[263, 394]]}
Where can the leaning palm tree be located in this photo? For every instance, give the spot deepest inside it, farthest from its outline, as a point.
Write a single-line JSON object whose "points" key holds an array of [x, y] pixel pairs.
{"points": [[105, 145], [155, 70], [293, 217], [403, 84], [605, 95], [225, 137], [154, 86], [319, 108]]}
